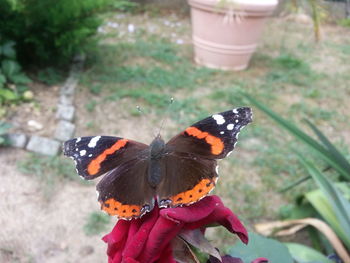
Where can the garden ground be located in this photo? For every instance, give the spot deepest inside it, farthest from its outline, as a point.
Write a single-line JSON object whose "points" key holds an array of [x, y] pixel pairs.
{"points": [[144, 59]]}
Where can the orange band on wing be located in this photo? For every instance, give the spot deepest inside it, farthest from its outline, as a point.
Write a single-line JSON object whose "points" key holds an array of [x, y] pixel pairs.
{"points": [[217, 146], [95, 164], [196, 193], [113, 207]]}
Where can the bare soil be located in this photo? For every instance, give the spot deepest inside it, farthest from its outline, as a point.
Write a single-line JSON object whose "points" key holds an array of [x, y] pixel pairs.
{"points": [[33, 230]]}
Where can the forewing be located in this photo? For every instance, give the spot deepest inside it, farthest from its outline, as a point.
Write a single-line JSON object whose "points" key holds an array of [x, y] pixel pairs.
{"points": [[97, 155], [188, 179], [125, 192], [213, 137]]}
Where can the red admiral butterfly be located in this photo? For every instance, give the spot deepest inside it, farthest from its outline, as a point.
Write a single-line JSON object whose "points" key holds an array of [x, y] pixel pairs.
{"points": [[179, 172]]}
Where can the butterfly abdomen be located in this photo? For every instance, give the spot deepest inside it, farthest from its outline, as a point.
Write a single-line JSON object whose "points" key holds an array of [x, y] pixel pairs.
{"points": [[157, 149]]}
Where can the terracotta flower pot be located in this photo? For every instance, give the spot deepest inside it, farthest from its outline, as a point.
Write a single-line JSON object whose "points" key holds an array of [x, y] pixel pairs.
{"points": [[226, 32]]}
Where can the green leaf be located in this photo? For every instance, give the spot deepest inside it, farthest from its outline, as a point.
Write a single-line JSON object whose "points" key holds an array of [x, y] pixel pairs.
{"points": [[8, 95], [334, 196], [19, 78], [304, 254], [8, 50], [339, 158], [2, 80], [303, 210], [345, 188], [292, 185], [338, 205], [319, 149], [259, 246], [4, 127], [324, 208], [10, 67]]}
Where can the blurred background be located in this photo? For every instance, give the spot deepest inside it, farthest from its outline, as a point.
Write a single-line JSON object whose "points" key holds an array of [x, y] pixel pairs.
{"points": [[72, 68]]}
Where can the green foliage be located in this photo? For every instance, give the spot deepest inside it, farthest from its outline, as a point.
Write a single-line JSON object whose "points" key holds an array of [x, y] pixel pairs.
{"points": [[344, 22], [49, 31], [259, 246], [96, 223], [157, 75], [4, 127], [323, 149], [290, 69], [328, 201], [304, 254], [90, 106], [12, 80], [50, 76], [125, 5]]}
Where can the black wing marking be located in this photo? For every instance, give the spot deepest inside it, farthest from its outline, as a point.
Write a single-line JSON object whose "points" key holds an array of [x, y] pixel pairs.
{"points": [[213, 137], [97, 155]]}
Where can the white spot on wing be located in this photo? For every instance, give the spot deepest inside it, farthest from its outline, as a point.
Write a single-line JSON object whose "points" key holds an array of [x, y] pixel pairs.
{"points": [[90, 155], [222, 132], [82, 152], [217, 169], [236, 121], [93, 141], [228, 154], [78, 140], [230, 127], [219, 119], [235, 111]]}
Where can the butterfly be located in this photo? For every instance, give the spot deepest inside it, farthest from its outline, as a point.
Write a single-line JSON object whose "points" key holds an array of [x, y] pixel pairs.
{"points": [[139, 176]]}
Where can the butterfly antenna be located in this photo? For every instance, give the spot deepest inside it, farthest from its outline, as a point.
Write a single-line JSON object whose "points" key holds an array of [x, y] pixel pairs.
{"points": [[164, 119]]}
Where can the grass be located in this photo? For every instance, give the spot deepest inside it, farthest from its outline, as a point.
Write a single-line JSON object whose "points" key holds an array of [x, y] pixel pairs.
{"points": [[96, 223], [50, 172], [288, 73]]}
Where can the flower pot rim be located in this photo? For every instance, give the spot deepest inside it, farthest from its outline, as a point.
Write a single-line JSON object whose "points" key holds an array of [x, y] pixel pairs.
{"points": [[264, 6], [242, 2]]}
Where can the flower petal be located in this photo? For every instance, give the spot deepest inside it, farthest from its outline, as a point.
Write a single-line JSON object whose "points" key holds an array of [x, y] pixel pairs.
{"points": [[116, 241], [160, 236], [148, 239], [207, 211], [138, 237]]}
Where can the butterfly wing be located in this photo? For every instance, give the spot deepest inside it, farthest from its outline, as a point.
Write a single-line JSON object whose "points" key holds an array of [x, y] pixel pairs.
{"points": [[125, 192], [213, 137], [188, 179], [191, 159], [97, 155]]}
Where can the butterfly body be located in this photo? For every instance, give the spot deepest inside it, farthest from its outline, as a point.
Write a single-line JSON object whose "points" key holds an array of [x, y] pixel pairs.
{"points": [[139, 176], [157, 151]]}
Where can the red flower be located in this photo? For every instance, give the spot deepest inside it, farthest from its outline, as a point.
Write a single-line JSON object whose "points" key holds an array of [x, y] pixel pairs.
{"points": [[148, 239]]}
